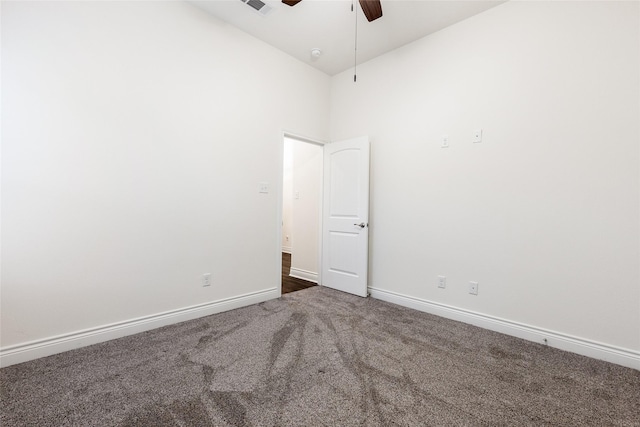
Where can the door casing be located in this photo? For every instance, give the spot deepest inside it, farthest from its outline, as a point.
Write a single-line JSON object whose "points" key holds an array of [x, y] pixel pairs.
{"points": [[287, 134], [297, 137]]}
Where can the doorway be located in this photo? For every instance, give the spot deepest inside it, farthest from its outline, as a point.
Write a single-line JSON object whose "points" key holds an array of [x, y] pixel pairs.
{"points": [[301, 213]]}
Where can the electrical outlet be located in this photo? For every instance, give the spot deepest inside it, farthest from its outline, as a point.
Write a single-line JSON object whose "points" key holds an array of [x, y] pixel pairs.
{"points": [[206, 279], [442, 282], [444, 143], [473, 288], [477, 135], [263, 187]]}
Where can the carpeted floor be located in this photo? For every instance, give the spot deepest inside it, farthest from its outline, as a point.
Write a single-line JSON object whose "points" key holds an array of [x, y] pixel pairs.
{"points": [[319, 357]]}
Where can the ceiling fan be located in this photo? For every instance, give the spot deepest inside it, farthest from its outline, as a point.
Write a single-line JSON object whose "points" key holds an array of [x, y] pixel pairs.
{"points": [[372, 8]]}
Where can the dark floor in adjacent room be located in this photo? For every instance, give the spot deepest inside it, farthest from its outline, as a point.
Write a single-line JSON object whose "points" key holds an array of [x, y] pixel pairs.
{"points": [[291, 284], [319, 357]]}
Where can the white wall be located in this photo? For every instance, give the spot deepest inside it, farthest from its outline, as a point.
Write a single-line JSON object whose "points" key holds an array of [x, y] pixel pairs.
{"points": [[307, 196], [544, 213], [134, 138]]}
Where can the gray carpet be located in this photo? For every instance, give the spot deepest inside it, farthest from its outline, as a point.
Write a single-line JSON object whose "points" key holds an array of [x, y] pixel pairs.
{"points": [[319, 358]]}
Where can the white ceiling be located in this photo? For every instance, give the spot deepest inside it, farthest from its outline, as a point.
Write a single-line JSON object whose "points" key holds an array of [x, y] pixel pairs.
{"points": [[330, 26]]}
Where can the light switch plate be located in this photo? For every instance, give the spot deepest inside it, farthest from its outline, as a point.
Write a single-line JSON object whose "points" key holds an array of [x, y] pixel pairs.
{"points": [[263, 187]]}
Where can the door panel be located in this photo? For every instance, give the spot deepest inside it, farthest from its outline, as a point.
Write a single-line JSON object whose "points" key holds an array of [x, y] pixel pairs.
{"points": [[346, 216], [342, 248], [344, 183]]}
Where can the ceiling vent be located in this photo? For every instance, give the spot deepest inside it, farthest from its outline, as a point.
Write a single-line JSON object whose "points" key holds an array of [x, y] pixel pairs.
{"points": [[259, 6]]}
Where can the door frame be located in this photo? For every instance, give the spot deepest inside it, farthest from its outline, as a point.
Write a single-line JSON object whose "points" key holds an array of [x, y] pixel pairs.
{"points": [[292, 135]]}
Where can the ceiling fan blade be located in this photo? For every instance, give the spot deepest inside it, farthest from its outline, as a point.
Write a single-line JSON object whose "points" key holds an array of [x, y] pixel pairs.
{"points": [[291, 2], [372, 9]]}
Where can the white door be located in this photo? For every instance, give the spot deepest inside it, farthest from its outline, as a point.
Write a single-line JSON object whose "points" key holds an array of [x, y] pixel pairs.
{"points": [[345, 234]]}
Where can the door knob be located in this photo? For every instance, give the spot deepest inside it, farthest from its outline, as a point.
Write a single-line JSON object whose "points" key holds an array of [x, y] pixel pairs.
{"points": [[361, 225]]}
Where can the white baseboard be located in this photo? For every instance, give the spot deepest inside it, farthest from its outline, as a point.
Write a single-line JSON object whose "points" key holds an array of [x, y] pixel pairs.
{"points": [[286, 249], [596, 350], [304, 275], [19, 353]]}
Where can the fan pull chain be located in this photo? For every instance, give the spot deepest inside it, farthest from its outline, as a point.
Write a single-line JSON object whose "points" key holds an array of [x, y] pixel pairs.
{"points": [[355, 50]]}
